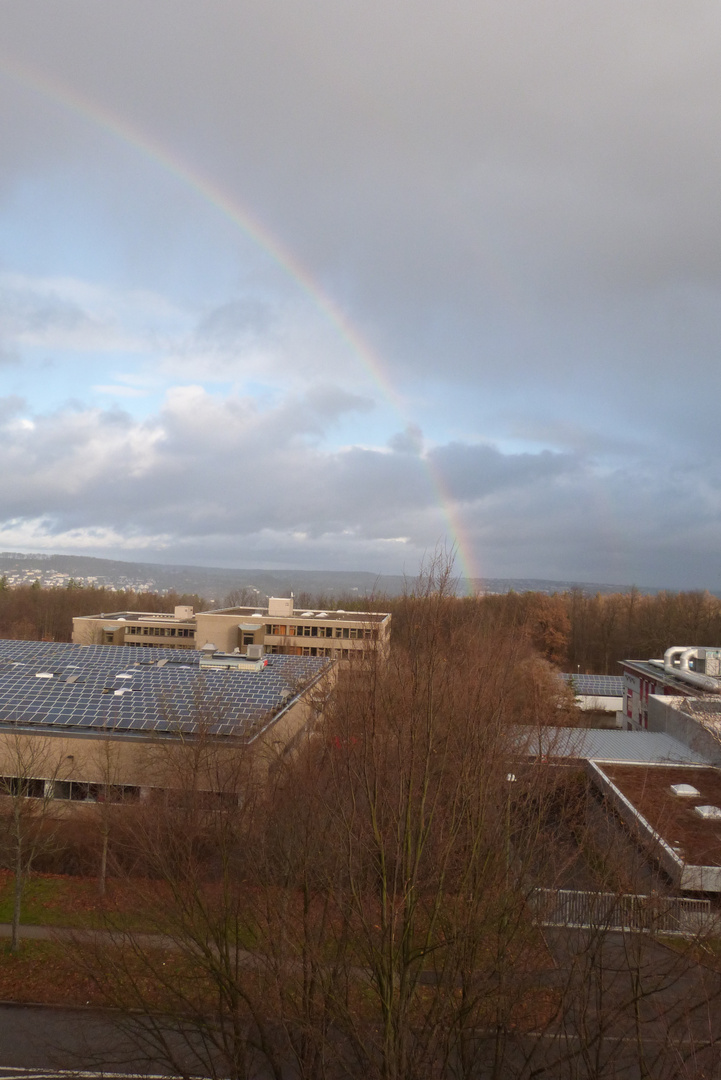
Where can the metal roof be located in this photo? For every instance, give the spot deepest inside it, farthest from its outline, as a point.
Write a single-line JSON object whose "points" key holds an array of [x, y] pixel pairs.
{"points": [[603, 744]]}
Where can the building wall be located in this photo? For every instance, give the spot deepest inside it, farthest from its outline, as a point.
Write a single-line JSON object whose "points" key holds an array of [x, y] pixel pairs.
{"points": [[169, 633], [638, 690], [338, 637], [151, 764], [664, 715]]}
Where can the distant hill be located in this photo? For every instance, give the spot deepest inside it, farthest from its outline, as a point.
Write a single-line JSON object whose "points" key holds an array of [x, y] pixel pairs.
{"points": [[215, 583]]}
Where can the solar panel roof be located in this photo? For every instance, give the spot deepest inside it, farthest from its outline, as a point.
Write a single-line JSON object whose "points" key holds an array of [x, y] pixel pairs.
{"points": [[596, 685], [141, 691]]}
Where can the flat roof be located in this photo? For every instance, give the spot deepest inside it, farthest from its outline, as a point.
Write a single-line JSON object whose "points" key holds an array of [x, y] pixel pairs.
{"points": [[70, 689], [602, 744], [694, 840], [243, 612], [321, 615], [140, 616]]}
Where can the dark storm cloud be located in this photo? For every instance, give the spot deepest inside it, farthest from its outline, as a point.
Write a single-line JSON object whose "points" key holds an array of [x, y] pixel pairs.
{"points": [[471, 472]]}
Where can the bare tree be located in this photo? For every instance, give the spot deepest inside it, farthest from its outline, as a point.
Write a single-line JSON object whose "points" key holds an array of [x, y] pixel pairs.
{"points": [[32, 765]]}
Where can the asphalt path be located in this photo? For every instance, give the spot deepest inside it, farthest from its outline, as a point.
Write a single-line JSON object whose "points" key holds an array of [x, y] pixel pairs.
{"points": [[38, 1037], [677, 1023]]}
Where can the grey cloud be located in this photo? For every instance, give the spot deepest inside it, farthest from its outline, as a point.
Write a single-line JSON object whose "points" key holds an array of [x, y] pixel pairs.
{"points": [[233, 323], [472, 472], [409, 441], [11, 406], [553, 516], [27, 311]]}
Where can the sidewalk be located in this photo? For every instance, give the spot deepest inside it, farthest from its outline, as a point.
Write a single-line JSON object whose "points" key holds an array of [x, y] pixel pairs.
{"points": [[34, 932]]}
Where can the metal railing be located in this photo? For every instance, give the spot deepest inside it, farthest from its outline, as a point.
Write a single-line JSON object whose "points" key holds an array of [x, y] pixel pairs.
{"points": [[625, 911]]}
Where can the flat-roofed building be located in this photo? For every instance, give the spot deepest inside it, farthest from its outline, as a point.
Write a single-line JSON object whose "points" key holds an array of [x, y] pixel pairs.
{"points": [[279, 628], [162, 629], [85, 705], [684, 672], [674, 812]]}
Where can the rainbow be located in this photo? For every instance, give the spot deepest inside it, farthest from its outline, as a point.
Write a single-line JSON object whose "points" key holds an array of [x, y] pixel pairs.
{"points": [[59, 93]]}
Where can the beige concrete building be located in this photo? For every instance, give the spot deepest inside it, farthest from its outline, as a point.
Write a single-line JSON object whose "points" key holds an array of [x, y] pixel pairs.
{"points": [[280, 629], [137, 628], [88, 723]]}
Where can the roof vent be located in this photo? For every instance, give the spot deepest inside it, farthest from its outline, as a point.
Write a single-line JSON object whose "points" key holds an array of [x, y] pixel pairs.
{"points": [[709, 813], [322, 615], [307, 614], [687, 790]]}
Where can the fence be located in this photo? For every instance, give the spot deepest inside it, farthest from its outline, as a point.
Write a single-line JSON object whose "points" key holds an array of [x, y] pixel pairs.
{"points": [[626, 911]]}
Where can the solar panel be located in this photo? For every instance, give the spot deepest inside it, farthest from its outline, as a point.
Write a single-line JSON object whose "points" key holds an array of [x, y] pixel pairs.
{"points": [[595, 685], [161, 692]]}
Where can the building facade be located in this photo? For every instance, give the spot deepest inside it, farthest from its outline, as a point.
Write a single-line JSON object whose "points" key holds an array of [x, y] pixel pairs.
{"points": [[74, 717], [684, 672], [280, 629]]}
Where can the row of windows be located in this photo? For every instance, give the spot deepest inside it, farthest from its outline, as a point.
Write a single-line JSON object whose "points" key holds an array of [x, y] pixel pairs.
{"points": [[160, 631], [314, 650], [79, 791], [75, 790], [281, 630], [144, 645]]}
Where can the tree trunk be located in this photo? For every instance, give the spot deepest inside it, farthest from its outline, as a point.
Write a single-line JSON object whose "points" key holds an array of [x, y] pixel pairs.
{"points": [[17, 902], [103, 873]]}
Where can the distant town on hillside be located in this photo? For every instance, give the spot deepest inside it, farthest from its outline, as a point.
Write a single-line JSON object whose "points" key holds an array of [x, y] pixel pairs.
{"points": [[216, 583]]}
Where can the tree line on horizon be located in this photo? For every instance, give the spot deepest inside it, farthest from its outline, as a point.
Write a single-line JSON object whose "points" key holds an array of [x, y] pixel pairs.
{"points": [[573, 631]]}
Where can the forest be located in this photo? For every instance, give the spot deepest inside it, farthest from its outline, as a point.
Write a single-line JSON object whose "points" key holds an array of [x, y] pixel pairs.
{"points": [[574, 631]]}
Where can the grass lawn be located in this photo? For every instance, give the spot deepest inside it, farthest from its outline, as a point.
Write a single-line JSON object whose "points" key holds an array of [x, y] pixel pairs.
{"points": [[43, 972], [59, 900]]}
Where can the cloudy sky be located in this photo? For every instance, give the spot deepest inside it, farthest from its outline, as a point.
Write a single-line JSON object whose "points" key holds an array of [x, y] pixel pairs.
{"points": [[323, 283]]}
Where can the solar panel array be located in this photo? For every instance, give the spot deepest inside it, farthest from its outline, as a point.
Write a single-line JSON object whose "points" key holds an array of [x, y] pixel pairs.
{"points": [[596, 685], [141, 691]]}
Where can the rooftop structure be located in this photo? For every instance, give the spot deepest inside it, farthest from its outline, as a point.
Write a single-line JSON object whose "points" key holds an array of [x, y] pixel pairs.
{"points": [[674, 811], [693, 671]]}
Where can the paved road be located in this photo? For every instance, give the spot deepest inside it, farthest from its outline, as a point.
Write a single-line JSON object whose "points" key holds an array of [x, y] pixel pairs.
{"points": [[43, 1038], [676, 1025]]}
